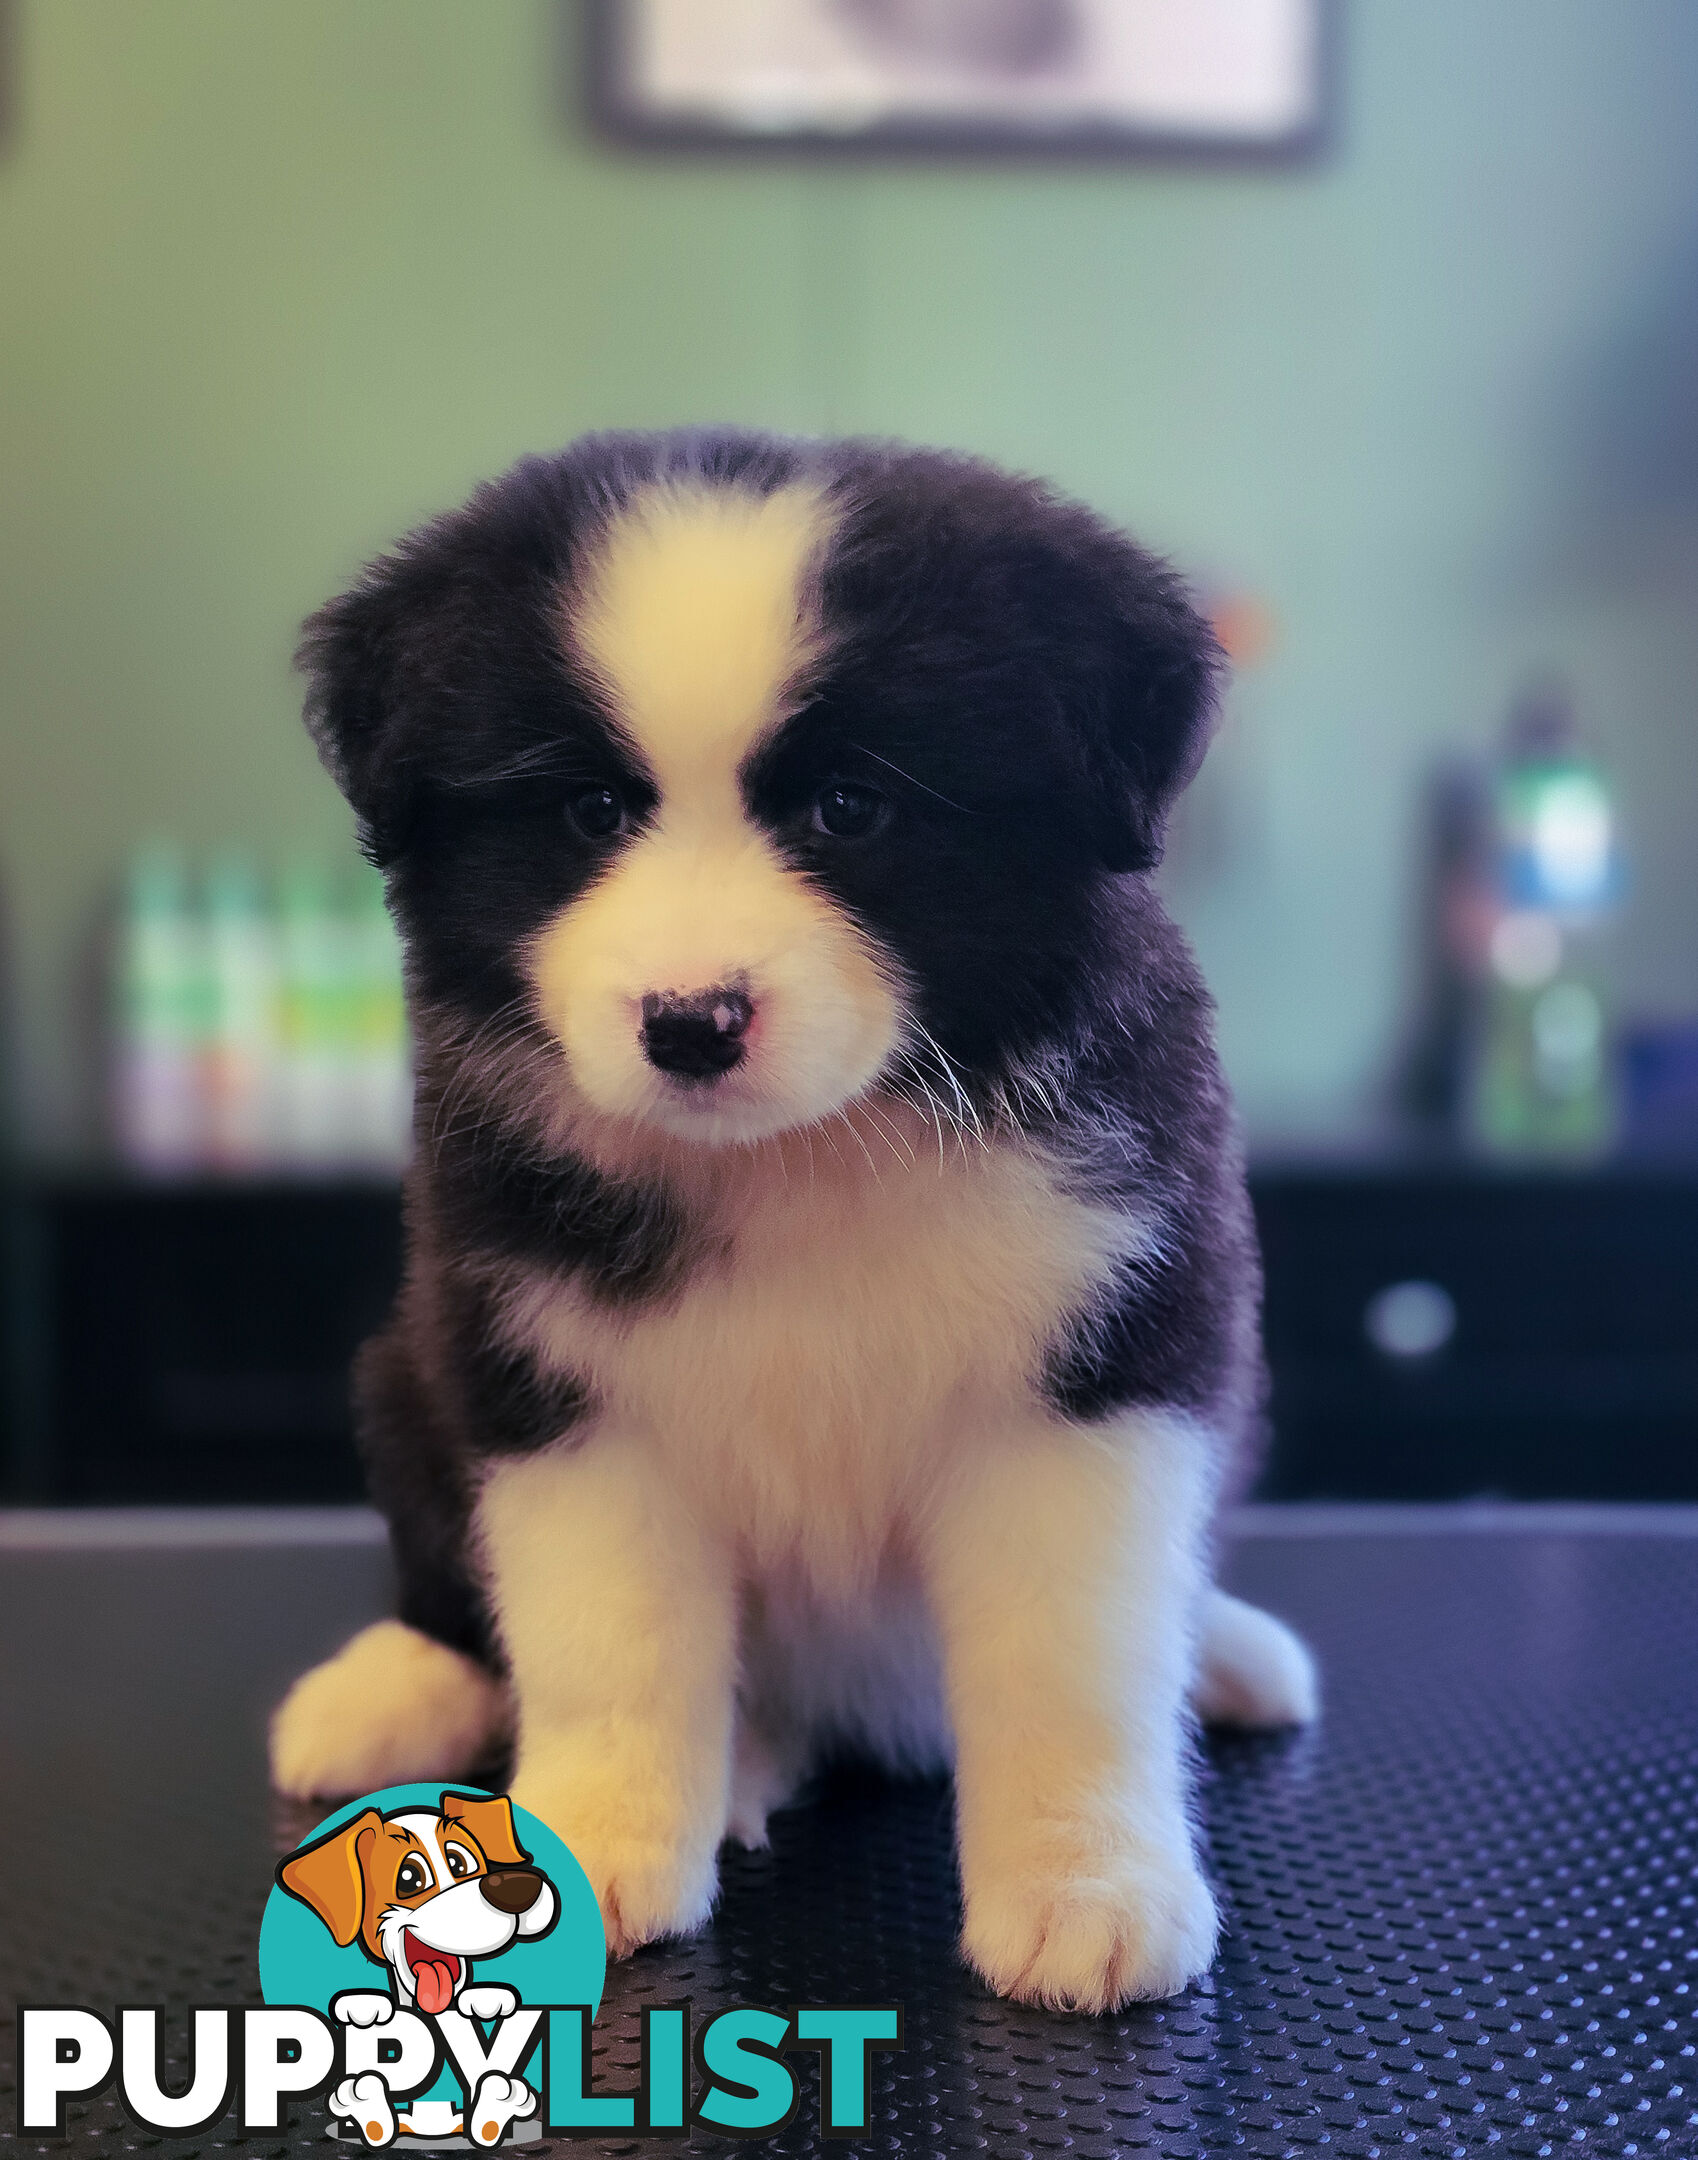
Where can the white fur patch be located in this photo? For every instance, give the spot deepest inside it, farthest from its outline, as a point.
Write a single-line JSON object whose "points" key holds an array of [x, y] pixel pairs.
{"points": [[392, 1706], [767, 1771], [821, 1484], [1066, 1567], [700, 902], [619, 1621], [1251, 1669], [698, 622], [878, 1305]]}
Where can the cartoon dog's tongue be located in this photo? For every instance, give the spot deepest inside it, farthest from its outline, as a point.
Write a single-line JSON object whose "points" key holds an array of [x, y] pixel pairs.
{"points": [[435, 1983], [434, 1974]]}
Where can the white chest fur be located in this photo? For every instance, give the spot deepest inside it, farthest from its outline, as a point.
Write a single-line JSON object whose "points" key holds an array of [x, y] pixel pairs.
{"points": [[866, 1308]]}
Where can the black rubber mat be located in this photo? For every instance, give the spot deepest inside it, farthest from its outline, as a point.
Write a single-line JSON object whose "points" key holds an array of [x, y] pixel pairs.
{"points": [[1461, 1916]]}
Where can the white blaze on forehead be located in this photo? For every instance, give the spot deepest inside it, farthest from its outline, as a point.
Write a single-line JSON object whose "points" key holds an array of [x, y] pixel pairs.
{"points": [[697, 618]]}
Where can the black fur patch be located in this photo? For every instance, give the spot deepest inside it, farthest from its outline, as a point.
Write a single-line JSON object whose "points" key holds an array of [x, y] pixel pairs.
{"points": [[1028, 690], [509, 1404], [417, 1466], [1161, 1340], [441, 702], [1146, 1125], [437, 1394], [625, 1242]]}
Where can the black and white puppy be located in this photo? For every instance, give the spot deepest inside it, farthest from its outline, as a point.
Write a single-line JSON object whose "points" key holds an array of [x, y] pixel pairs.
{"points": [[831, 1309]]}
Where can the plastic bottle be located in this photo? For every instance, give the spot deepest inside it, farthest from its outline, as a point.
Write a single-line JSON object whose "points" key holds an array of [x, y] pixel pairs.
{"points": [[313, 963], [163, 1009], [242, 1092], [379, 1055], [1541, 1081]]}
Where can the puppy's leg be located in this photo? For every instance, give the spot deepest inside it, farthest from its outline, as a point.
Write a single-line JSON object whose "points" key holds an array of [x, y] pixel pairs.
{"points": [[392, 1706], [1065, 1567], [858, 1678], [618, 1615], [411, 1698], [1251, 1669], [767, 1770]]}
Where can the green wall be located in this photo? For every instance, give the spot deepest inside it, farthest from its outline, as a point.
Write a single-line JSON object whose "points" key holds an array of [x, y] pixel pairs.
{"points": [[279, 276]]}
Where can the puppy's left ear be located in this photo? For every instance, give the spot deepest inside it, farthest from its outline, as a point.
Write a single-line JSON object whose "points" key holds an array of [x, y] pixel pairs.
{"points": [[1150, 713], [491, 1823], [366, 656]]}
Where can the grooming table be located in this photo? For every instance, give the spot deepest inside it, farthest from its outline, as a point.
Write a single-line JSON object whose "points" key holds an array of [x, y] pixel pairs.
{"points": [[1462, 1915]]}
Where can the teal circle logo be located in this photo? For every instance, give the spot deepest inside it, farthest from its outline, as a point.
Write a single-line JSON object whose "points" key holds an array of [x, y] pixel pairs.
{"points": [[300, 1960], [428, 1894]]}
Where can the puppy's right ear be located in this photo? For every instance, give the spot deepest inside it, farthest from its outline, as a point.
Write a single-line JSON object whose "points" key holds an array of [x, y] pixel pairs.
{"points": [[328, 1875], [1145, 736], [356, 654]]}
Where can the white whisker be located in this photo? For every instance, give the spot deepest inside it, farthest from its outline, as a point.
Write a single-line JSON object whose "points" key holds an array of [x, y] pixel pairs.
{"points": [[893, 1133], [849, 1127]]}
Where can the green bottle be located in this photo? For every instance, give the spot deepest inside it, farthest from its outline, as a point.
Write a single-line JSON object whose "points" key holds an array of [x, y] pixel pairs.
{"points": [[380, 1072], [163, 998], [1542, 1085], [313, 969], [242, 1042]]}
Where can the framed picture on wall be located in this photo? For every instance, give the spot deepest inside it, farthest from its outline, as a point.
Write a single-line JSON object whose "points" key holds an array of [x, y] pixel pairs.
{"points": [[1128, 77], [8, 51]]}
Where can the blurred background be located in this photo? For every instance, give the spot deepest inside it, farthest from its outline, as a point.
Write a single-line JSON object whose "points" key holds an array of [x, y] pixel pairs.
{"points": [[1380, 317]]}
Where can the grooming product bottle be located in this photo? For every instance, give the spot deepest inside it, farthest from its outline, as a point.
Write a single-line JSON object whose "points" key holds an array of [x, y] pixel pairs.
{"points": [[313, 969], [163, 1000], [379, 1062], [242, 1093], [1541, 1084]]}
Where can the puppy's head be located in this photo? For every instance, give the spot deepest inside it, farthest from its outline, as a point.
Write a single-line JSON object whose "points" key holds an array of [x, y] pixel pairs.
{"points": [[425, 1890], [746, 777]]}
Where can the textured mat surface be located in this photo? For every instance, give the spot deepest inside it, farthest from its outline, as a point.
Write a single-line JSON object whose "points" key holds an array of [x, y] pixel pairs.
{"points": [[1462, 1916]]}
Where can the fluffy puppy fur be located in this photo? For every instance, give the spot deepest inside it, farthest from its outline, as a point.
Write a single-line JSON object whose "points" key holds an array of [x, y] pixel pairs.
{"points": [[830, 1313]]}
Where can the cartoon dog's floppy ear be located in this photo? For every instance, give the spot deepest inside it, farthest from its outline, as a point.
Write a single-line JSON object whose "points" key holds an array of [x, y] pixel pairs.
{"points": [[1150, 712], [491, 1823], [327, 1875]]}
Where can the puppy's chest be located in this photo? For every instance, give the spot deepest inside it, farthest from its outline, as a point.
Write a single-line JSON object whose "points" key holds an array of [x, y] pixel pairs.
{"points": [[843, 1319]]}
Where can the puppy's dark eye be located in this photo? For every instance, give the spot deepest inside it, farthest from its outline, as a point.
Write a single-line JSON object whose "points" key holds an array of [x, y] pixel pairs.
{"points": [[411, 1879], [848, 811], [460, 1862], [598, 812]]}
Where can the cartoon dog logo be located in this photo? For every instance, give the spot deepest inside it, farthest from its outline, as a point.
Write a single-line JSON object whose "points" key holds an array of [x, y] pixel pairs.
{"points": [[424, 1891]]}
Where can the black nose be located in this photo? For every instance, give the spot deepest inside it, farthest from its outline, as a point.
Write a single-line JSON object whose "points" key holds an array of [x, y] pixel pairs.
{"points": [[513, 1889], [697, 1037]]}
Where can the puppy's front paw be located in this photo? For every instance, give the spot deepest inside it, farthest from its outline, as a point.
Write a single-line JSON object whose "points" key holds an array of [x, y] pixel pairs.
{"points": [[652, 1877], [1109, 1928], [647, 1892], [1252, 1670], [391, 1706], [765, 1772]]}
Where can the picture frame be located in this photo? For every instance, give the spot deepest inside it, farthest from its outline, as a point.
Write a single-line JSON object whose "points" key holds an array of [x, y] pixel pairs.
{"points": [[8, 68], [1210, 79]]}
